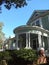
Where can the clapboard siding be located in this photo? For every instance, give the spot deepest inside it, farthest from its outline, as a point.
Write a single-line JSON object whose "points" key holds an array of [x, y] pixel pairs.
{"points": [[45, 22]]}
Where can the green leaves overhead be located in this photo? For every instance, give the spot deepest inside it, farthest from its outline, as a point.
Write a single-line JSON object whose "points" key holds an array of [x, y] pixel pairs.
{"points": [[15, 3]]}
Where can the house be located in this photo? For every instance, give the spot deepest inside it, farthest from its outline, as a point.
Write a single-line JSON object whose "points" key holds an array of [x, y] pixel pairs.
{"points": [[9, 43], [35, 33]]}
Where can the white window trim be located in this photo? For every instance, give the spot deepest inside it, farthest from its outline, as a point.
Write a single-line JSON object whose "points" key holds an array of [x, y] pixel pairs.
{"points": [[48, 18], [40, 21]]}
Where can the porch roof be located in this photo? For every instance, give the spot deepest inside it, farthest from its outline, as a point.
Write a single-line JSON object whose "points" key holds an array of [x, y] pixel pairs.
{"points": [[27, 27]]}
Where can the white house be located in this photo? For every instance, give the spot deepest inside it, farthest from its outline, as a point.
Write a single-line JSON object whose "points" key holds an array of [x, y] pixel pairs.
{"points": [[35, 33]]}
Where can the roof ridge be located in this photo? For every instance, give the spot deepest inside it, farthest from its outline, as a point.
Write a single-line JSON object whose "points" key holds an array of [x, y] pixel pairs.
{"points": [[41, 10]]}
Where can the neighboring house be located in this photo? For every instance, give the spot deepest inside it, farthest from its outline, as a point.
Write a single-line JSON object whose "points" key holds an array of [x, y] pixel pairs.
{"points": [[35, 33], [9, 43]]}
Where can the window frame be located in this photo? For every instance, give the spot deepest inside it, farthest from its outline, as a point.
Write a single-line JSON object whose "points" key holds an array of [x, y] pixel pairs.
{"points": [[37, 23]]}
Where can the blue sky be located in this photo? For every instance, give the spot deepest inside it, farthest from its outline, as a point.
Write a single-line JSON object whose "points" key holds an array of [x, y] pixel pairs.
{"points": [[16, 17]]}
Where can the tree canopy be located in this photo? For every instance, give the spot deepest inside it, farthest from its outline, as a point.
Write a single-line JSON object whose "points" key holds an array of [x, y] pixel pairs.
{"points": [[2, 35], [16, 3]]}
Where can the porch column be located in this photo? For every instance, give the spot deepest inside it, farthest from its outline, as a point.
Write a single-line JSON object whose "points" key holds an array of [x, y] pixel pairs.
{"points": [[43, 44], [17, 42], [29, 40], [48, 41], [26, 40], [39, 40]]}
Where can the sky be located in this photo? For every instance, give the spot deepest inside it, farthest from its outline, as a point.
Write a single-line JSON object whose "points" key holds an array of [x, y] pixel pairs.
{"points": [[16, 17]]}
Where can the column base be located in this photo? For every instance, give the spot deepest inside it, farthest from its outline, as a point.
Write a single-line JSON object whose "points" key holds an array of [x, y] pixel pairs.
{"points": [[18, 48], [28, 48]]}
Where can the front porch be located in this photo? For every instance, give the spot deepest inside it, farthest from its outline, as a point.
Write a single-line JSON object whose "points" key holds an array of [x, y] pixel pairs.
{"points": [[31, 37], [31, 41]]}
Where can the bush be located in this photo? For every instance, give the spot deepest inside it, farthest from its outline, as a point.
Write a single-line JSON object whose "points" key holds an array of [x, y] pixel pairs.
{"points": [[26, 54], [18, 56], [1, 56]]}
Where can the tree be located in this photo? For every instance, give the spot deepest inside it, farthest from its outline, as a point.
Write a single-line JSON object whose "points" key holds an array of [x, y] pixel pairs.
{"points": [[2, 37], [16, 3]]}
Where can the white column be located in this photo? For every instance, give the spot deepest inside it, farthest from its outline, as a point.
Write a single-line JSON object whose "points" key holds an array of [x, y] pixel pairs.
{"points": [[43, 44], [17, 42], [41, 22], [9, 44], [29, 41], [26, 40], [39, 40], [48, 41]]}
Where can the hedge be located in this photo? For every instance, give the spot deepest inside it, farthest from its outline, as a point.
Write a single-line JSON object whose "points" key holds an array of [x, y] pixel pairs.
{"points": [[13, 56]]}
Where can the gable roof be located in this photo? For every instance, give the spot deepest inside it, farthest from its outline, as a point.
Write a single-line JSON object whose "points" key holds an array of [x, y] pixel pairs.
{"points": [[36, 14]]}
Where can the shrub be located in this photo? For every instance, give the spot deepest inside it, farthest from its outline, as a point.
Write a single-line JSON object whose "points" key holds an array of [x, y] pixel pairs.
{"points": [[1, 56], [6, 55], [12, 56], [26, 54]]}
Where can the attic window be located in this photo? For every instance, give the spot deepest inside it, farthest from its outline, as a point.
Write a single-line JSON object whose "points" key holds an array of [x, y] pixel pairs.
{"points": [[37, 23], [37, 14], [33, 23]]}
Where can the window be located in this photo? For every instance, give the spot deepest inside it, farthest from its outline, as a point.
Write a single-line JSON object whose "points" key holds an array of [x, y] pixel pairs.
{"points": [[33, 24], [37, 14], [37, 23]]}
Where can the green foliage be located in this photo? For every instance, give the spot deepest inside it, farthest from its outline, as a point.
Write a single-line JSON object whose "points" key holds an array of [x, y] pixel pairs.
{"points": [[15, 3], [25, 54], [1, 55], [6, 55], [2, 35]]}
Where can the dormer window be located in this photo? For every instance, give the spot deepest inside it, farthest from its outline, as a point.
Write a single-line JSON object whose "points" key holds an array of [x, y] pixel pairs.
{"points": [[33, 24], [37, 23], [36, 14]]}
